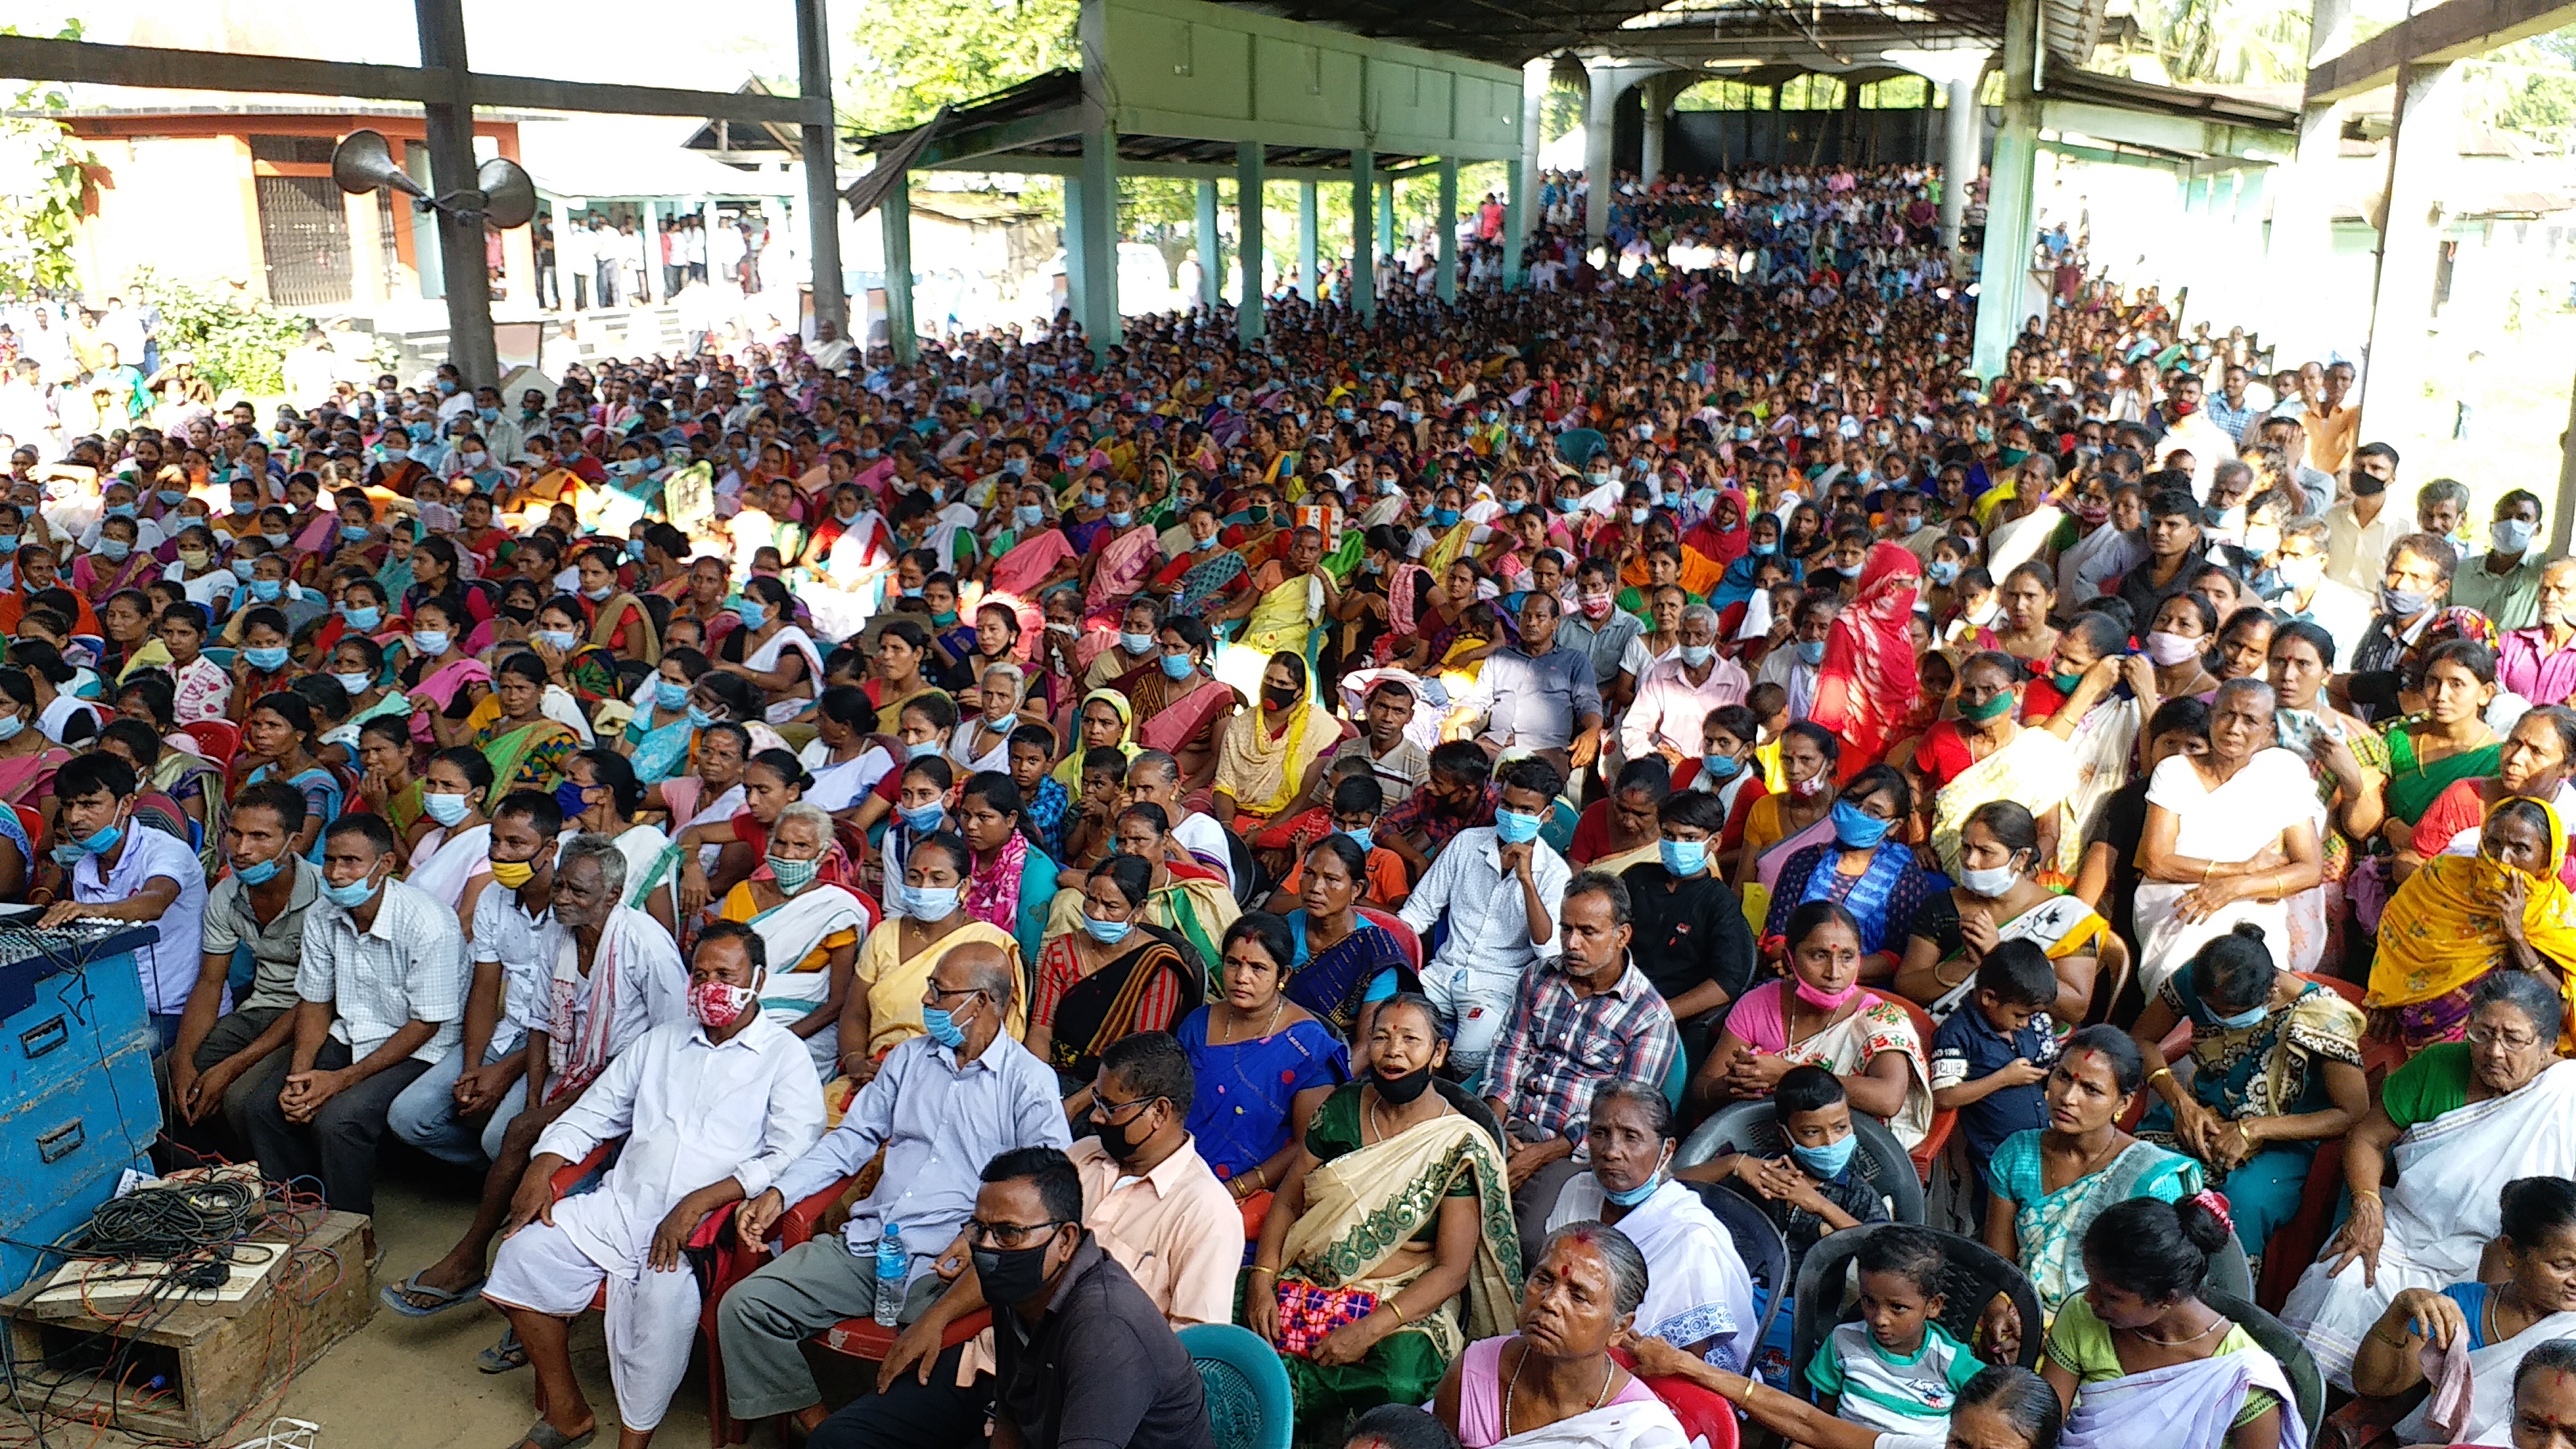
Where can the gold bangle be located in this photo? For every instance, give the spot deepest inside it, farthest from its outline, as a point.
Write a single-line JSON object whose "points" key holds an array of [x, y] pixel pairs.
{"points": [[2158, 1072], [1257, 1268], [2371, 1193], [1397, 1308]]}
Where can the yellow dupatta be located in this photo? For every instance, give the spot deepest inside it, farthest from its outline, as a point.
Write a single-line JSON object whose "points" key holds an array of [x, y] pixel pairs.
{"points": [[2443, 928], [1068, 773], [1259, 770]]}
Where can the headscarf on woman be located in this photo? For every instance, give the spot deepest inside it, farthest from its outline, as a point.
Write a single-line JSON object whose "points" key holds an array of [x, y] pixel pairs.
{"points": [[1867, 686], [2442, 931]]}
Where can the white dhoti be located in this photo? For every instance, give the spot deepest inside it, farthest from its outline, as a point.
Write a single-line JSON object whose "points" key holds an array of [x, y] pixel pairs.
{"points": [[652, 1317]]}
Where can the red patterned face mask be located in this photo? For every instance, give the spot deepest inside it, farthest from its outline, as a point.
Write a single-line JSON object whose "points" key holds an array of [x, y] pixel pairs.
{"points": [[719, 1004]]}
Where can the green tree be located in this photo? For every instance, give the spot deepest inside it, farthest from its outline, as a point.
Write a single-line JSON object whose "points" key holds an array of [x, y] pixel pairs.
{"points": [[40, 223], [240, 341], [910, 57]]}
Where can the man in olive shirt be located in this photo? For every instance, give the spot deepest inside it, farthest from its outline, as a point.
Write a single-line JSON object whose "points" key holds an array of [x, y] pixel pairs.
{"points": [[1692, 940], [218, 1055]]}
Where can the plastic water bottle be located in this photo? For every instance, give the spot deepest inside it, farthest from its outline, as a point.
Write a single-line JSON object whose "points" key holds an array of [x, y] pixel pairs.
{"points": [[893, 1263]]}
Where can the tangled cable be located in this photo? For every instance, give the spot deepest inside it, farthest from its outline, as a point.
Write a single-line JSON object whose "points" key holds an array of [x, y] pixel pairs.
{"points": [[172, 1220]]}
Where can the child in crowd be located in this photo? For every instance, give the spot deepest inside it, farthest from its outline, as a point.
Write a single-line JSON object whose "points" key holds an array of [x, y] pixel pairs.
{"points": [[1770, 705], [1087, 840], [1989, 1059], [1814, 1189], [1358, 800], [1896, 1370]]}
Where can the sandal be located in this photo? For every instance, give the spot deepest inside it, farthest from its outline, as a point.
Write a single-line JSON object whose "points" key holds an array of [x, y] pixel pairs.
{"points": [[503, 1357], [547, 1436], [398, 1296]]}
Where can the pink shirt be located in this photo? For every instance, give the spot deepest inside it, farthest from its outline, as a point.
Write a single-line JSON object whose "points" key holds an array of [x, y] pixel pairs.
{"points": [[2525, 665], [1480, 1393], [1670, 709]]}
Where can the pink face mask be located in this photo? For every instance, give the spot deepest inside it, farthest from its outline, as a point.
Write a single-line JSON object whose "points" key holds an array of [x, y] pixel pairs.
{"points": [[718, 1004], [1827, 1000]]}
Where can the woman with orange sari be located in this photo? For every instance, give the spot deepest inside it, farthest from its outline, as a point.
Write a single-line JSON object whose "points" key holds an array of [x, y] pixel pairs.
{"points": [[1868, 684]]}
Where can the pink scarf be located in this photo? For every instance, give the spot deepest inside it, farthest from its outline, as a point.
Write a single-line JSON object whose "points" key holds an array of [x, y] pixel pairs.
{"points": [[993, 892]]}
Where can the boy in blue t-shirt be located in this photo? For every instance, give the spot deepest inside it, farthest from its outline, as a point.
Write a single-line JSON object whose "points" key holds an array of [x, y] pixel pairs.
{"points": [[1989, 1058], [1896, 1370]]}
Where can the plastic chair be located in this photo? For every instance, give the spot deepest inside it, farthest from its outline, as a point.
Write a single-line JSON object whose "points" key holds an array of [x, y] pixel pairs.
{"points": [[861, 1338], [1405, 939], [219, 740], [2230, 1272], [1757, 1242], [2283, 1345], [1577, 445], [31, 821], [219, 656], [1708, 1421], [1937, 1136], [1248, 1399], [1754, 1127], [1973, 1275], [2296, 1243]]}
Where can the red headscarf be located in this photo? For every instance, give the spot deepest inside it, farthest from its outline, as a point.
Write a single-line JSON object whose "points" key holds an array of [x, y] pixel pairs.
{"points": [[1867, 686], [1725, 545]]}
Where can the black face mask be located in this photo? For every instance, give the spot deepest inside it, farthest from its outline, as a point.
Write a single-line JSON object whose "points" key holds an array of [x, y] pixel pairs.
{"points": [[1400, 1091], [521, 613], [1010, 1276], [1115, 1139], [1276, 697], [2367, 486]]}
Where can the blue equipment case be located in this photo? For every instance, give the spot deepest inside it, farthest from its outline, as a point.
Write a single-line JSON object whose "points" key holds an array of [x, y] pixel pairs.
{"points": [[78, 1104]]}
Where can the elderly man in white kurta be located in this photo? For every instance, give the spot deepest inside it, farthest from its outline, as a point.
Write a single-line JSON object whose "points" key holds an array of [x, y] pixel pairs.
{"points": [[712, 1109]]}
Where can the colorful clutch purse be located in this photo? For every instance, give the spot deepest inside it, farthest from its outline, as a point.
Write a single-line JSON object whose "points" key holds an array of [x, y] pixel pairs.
{"points": [[1307, 1313]]}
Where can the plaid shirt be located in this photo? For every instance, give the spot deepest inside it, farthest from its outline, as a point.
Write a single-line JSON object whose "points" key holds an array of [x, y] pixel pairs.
{"points": [[1421, 815], [1560, 1045]]}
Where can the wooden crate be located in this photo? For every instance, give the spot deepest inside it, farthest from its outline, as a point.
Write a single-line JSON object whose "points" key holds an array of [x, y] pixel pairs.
{"points": [[217, 1361]]}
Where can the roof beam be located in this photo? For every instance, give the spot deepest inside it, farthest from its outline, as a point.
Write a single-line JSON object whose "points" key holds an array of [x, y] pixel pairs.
{"points": [[2452, 30], [33, 58]]}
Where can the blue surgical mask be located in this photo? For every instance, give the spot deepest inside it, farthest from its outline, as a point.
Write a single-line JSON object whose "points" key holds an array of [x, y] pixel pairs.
{"points": [[120, 510], [2249, 1017], [1684, 857], [1720, 767], [1135, 643], [267, 590], [260, 874], [699, 719], [1178, 667], [1811, 651], [1361, 838], [1856, 828], [942, 1028], [752, 612], [1030, 515], [445, 809], [356, 684], [553, 638], [1122, 518], [241, 568], [1107, 933], [114, 550], [924, 820], [351, 533], [929, 903], [1696, 655], [670, 694], [267, 661], [429, 642], [364, 617], [351, 896], [1825, 1162], [921, 749], [1511, 827], [172, 497], [1643, 1190]]}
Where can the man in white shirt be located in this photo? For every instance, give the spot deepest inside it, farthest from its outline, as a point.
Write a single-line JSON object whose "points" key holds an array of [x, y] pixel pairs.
{"points": [[382, 986], [1498, 885], [2330, 604], [713, 1108], [128, 871], [831, 351], [1676, 694]]}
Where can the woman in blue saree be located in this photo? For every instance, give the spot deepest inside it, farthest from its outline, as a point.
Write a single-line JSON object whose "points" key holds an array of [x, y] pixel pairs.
{"points": [[1863, 869], [1343, 963], [1264, 1065]]}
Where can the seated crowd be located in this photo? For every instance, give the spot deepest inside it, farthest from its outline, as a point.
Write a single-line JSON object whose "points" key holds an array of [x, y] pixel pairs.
{"points": [[1432, 842]]}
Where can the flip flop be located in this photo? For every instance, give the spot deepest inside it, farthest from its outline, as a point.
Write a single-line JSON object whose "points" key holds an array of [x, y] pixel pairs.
{"points": [[396, 1297], [503, 1357], [547, 1436]]}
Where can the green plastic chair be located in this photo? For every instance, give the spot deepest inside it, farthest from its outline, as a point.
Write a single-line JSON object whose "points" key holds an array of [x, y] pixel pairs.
{"points": [[1248, 1401]]}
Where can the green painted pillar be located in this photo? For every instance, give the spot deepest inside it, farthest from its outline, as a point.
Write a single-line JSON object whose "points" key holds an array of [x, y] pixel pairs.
{"points": [[1210, 264], [1249, 321], [1445, 217], [2003, 275], [1363, 226], [895, 215], [1517, 202], [1100, 239], [1306, 240], [1386, 217], [1073, 246]]}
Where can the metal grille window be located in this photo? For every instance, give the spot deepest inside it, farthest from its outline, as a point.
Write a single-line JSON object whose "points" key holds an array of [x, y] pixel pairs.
{"points": [[304, 233]]}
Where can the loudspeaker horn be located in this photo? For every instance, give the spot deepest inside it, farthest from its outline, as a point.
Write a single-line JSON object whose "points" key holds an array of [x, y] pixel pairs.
{"points": [[364, 162], [509, 194]]}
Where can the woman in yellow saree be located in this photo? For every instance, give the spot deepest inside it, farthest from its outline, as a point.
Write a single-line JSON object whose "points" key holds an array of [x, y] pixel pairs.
{"points": [[2462, 917], [1391, 1245], [1265, 752]]}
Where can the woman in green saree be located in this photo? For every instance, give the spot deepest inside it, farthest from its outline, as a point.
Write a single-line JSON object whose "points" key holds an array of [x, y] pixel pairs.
{"points": [[2448, 742], [1391, 1245], [527, 750]]}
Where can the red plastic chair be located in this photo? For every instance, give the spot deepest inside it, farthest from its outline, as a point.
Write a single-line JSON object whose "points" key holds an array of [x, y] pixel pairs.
{"points": [[863, 1338], [219, 740], [1706, 1417], [31, 820], [1928, 1151], [1405, 939]]}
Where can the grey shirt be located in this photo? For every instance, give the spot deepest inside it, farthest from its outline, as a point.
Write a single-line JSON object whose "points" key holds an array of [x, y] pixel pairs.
{"points": [[1537, 702], [1605, 644], [275, 948]]}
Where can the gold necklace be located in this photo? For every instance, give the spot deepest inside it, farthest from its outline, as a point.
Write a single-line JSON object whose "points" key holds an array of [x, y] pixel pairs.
{"points": [[1277, 1004], [1609, 1371]]}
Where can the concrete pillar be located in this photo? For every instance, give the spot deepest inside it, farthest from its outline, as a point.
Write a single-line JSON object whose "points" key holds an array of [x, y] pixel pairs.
{"points": [[1208, 246], [1386, 219], [1250, 319], [1536, 76], [1306, 240], [822, 175], [1445, 217], [1961, 130], [894, 214], [651, 241], [2562, 519], [1099, 239], [1363, 298], [2004, 274], [1519, 200], [2301, 309], [1657, 95], [2423, 167], [1610, 79]]}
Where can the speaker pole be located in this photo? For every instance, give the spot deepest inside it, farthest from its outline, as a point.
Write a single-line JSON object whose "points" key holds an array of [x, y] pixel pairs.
{"points": [[452, 168]]}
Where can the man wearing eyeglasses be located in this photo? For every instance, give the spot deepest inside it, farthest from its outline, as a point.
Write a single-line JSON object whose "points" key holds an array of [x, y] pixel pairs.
{"points": [[942, 1105], [1148, 1199]]}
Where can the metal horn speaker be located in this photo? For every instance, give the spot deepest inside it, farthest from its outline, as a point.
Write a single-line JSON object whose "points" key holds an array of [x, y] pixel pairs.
{"points": [[364, 162], [509, 194]]}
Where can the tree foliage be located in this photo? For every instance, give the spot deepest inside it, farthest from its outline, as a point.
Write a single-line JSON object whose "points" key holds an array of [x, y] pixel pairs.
{"points": [[240, 341], [910, 57], [40, 224], [2221, 42]]}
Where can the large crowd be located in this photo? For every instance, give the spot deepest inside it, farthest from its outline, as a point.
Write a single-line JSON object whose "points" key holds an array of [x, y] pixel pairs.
{"points": [[1482, 847]]}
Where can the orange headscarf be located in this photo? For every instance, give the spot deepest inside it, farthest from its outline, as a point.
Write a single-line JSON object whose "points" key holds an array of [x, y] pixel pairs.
{"points": [[1868, 686]]}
